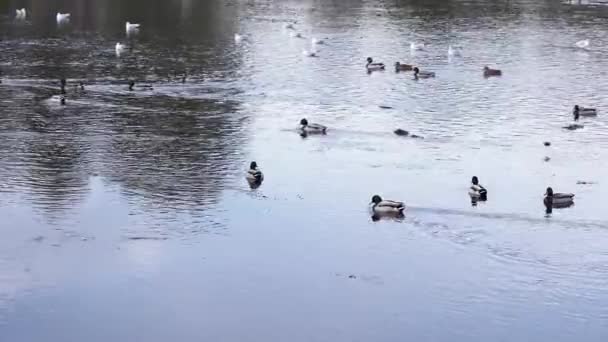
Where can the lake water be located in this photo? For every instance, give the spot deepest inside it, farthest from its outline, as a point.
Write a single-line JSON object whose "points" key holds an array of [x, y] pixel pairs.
{"points": [[126, 215]]}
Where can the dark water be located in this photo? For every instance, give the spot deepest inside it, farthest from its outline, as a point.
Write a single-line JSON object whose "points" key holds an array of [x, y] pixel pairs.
{"points": [[126, 216]]}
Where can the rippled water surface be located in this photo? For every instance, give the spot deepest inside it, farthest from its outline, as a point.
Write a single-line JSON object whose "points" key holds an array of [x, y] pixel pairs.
{"points": [[125, 215]]}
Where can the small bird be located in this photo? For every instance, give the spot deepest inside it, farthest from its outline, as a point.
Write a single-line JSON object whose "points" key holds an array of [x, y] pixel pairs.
{"points": [[21, 14], [477, 191], [582, 44], [131, 28], [306, 128], [423, 74], [557, 200], [487, 72], [371, 66], [403, 67], [380, 207], [63, 18], [254, 174], [120, 49]]}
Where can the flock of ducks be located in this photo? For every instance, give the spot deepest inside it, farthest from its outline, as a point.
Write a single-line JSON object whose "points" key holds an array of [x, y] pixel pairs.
{"points": [[379, 207]]}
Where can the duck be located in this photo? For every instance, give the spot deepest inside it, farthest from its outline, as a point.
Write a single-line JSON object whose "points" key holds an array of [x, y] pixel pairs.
{"points": [[403, 67], [477, 191], [143, 87], [423, 74], [120, 49], [417, 47], [488, 72], [380, 207], [306, 128], [254, 174], [557, 200], [238, 38], [573, 127], [63, 18], [131, 28], [21, 14], [582, 44], [579, 111], [371, 66]]}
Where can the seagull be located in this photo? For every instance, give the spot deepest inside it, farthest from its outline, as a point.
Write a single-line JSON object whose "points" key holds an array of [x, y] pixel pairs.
{"points": [[582, 44], [21, 14], [131, 28], [63, 18], [120, 48]]}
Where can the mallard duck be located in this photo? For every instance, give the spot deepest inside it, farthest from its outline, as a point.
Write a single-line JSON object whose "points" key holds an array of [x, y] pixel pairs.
{"points": [[371, 66], [63, 18], [403, 67], [21, 14], [579, 111], [254, 174], [120, 49], [557, 200], [487, 72], [423, 74], [477, 191], [382, 207], [306, 128]]}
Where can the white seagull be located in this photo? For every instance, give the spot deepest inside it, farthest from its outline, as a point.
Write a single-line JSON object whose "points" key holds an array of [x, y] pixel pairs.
{"points": [[63, 18], [120, 49], [21, 14], [131, 28]]}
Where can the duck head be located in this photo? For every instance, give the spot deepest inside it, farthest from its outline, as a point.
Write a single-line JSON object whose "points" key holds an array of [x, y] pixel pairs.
{"points": [[576, 108], [253, 165], [486, 68], [416, 70], [131, 85], [369, 60], [549, 192], [304, 122], [376, 199], [475, 180]]}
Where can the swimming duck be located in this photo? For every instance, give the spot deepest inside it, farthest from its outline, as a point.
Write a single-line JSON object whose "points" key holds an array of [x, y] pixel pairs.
{"points": [[63, 18], [21, 14], [423, 74], [382, 207], [487, 72], [254, 174], [557, 200], [371, 66], [573, 127], [582, 44], [131, 28], [143, 87], [582, 111], [403, 67], [306, 128], [477, 190]]}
